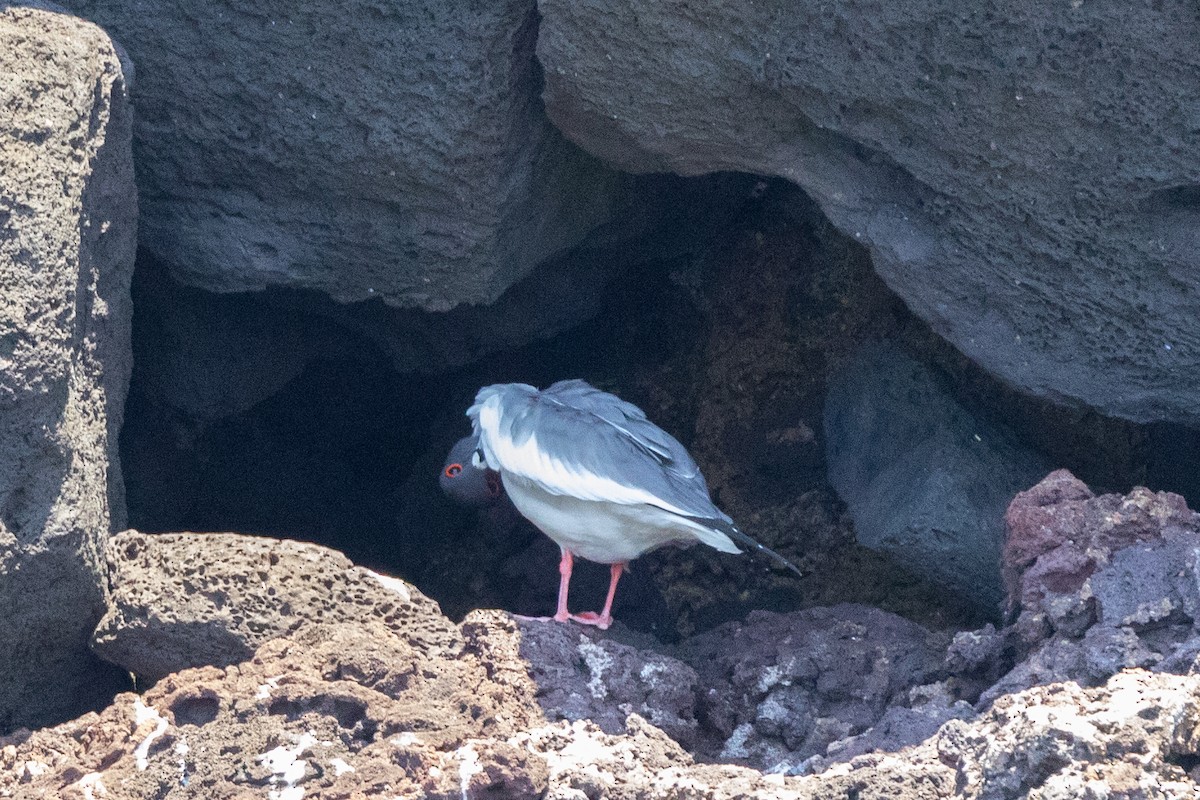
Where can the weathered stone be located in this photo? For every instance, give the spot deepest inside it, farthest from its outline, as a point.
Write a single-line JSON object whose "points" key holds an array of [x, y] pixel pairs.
{"points": [[1068, 551], [1118, 740], [1096, 585], [68, 216], [188, 600], [453, 724], [351, 694], [780, 688], [582, 676], [363, 150], [342, 710], [1027, 179], [924, 479]]}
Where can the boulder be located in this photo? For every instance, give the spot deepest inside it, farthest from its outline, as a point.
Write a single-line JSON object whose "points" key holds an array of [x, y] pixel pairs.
{"points": [[68, 221], [210, 599], [779, 689], [1027, 180], [360, 150], [924, 479], [1072, 559], [1098, 584]]}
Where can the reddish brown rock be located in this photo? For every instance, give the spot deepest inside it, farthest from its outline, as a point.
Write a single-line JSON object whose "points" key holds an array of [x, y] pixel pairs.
{"points": [[352, 694], [1039, 520], [286, 720], [1059, 535], [1096, 585]]}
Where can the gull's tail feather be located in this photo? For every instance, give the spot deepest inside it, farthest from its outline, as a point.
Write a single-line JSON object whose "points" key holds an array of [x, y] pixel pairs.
{"points": [[731, 530]]}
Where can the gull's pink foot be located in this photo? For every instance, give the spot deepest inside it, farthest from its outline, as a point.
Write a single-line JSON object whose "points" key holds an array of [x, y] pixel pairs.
{"points": [[592, 618]]}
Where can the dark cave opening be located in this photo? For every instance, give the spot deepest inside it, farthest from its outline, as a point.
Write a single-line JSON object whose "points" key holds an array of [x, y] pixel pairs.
{"points": [[739, 303]]}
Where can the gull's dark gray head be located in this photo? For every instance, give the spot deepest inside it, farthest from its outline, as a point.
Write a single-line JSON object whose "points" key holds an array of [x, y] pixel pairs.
{"points": [[466, 483]]}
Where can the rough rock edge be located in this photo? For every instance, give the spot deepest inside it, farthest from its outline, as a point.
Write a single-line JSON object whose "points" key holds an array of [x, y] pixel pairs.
{"points": [[69, 213]]}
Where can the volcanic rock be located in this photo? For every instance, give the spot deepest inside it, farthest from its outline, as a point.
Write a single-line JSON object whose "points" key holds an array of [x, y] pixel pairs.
{"points": [[68, 220], [1027, 180]]}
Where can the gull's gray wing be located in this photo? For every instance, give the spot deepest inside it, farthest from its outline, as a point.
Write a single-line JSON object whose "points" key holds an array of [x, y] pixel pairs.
{"points": [[573, 439]]}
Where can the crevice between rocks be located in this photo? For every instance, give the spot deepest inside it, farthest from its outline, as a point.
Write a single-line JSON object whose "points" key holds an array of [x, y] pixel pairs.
{"points": [[283, 414]]}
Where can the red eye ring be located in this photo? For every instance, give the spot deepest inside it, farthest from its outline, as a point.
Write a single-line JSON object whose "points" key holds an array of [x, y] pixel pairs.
{"points": [[452, 470]]}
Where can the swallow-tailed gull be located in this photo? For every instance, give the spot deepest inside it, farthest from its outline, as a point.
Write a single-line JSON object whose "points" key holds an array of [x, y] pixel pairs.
{"points": [[597, 477]]}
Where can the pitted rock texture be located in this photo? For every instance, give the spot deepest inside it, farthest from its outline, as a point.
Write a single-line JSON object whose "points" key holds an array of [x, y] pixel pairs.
{"points": [[1072, 559], [584, 675], [364, 151], [194, 599], [370, 699], [1125, 739], [779, 689], [1096, 585], [362, 710], [924, 479], [68, 218], [339, 710], [1026, 179]]}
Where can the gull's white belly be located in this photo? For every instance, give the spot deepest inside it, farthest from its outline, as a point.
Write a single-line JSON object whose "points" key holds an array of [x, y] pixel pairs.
{"points": [[597, 530]]}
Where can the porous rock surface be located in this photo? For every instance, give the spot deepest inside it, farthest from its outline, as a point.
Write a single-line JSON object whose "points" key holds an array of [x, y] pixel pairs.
{"points": [[1027, 180], [400, 702], [176, 604], [583, 676], [778, 689], [363, 150], [924, 478], [1098, 584], [68, 219]]}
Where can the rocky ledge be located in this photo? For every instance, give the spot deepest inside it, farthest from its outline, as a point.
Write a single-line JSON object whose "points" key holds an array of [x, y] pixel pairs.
{"points": [[280, 669]]}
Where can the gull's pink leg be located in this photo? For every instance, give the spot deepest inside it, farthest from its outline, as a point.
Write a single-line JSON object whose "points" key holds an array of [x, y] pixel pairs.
{"points": [[604, 618], [564, 570]]}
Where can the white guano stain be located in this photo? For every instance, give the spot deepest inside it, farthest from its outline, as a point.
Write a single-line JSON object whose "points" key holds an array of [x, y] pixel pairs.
{"points": [[264, 689], [597, 660], [392, 584], [287, 768], [92, 787], [143, 714], [468, 767]]}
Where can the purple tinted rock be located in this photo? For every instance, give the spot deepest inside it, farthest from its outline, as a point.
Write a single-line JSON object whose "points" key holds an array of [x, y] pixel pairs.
{"points": [[780, 688], [581, 674], [1059, 536]]}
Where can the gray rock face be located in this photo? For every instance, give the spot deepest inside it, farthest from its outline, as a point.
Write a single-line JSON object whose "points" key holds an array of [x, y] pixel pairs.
{"points": [[192, 599], [582, 675], [924, 479], [1028, 180], [779, 689], [68, 217], [363, 150]]}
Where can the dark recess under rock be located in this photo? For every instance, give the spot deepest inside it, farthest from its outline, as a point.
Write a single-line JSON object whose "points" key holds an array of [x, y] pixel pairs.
{"points": [[724, 325], [723, 331]]}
